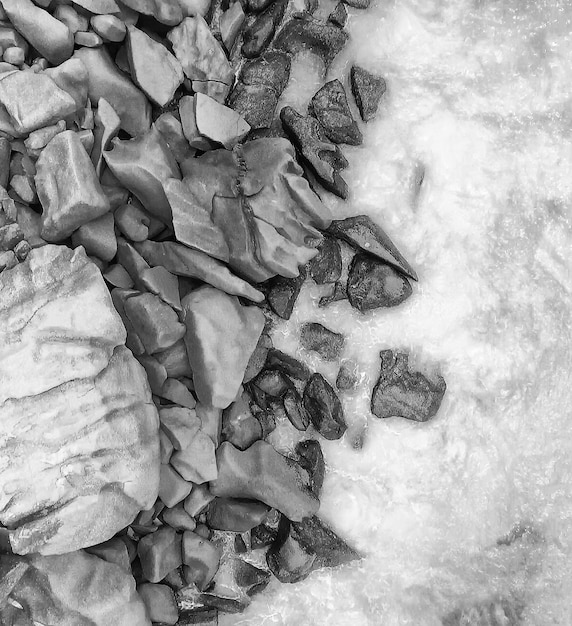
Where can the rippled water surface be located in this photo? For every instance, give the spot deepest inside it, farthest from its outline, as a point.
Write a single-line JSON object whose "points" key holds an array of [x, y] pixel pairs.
{"points": [[480, 100]]}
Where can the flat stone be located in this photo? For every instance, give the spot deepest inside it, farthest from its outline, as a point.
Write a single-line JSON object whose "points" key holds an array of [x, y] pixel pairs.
{"points": [[197, 501], [311, 458], [181, 425], [202, 558], [194, 7], [67, 187], [231, 22], [326, 267], [219, 123], [176, 517], [197, 463], [50, 37], [295, 410], [154, 321], [97, 237], [211, 420], [287, 364], [40, 138], [261, 473], [160, 603], [330, 107], [143, 165], [239, 426], [172, 487], [160, 553], [113, 551], [119, 297], [404, 392], [373, 284], [259, 34], [108, 27], [162, 283], [324, 408], [220, 337], [108, 82], [325, 342], [167, 12], [153, 67], [283, 293], [368, 90], [363, 233], [175, 360], [235, 515]]}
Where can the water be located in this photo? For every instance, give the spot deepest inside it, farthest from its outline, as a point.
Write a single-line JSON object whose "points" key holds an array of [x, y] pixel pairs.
{"points": [[479, 99]]}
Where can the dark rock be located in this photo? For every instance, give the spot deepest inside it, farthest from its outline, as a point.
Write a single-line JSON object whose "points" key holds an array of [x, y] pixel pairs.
{"points": [[258, 357], [282, 295], [339, 16], [348, 376], [326, 267], [262, 536], [159, 553], [235, 515], [339, 293], [288, 365], [368, 90], [324, 158], [324, 408], [325, 342], [330, 107], [160, 603], [231, 23], [267, 422], [203, 616], [272, 382], [239, 426], [255, 6], [311, 458], [251, 578], [373, 284], [294, 409], [304, 33], [259, 34], [363, 233], [401, 392]]}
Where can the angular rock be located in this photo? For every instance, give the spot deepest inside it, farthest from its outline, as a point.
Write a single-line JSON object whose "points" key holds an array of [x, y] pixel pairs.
{"points": [[12, 569], [156, 373], [10, 236], [221, 335], [108, 82], [197, 501], [403, 392], [108, 27], [67, 187], [162, 283], [235, 515], [326, 267], [330, 107], [373, 284], [263, 535], [324, 408], [258, 358], [181, 426], [107, 125], [295, 410], [153, 67], [175, 360], [98, 7], [187, 113], [339, 16], [202, 558], [368, 90], [89, 39], [288, 365], [219, 123], [231, 23], [177, 518], [40, 138], [117, 276], [283, 293], [97, 237], [160, 603], [261, 473], [358, 4], [311, 458], [113, 551], [348, 377], [363, 233], [324, 158], [132, 222], [167, 12], [175, 391], [197, 463], [259, 34], [239, 426], [132, 261], [172, 487], [273, 383], [339, 292], [166, 448], [119, 297], [160, 553], [325, 342]]}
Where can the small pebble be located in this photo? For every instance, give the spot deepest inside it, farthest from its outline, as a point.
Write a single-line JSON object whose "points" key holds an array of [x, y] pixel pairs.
{"points": [[88, 39]]}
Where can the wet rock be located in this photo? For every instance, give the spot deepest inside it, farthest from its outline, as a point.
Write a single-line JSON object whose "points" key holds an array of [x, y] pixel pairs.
{"points": [[172, 487], [326, 267], [325, 342], [50, 37], [160, 603], [304, 33], [373, 284], [260, 84], [339, 292], [108, 27], [295, 410], [97, 237], [324, 408], [368, 90], [252, 579], [153, 67], [167, 12], [259, 34], [311, 458], [261, 473], [403, 392], [202, 58], [197, 463], [163, 284], [181, 425], [184, 261], [283, 293], [218, 122], [231, 23], [176, 392], [339, 16], [363, 233], [235, 515], [497, 612], [132, 222], [67, 187], [113, 551], [258, 357], [175, 360], [330, 107], [263, 535], [348, 376], [197, 501], [325, 159], [221, 335], [288, 365], [176, 517], [239, 426], [273, 383], [202, 558], [159, 553]]}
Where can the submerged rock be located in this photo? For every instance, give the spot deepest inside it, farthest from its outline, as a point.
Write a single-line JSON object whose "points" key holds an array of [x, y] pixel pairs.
{"points": [[325, 342], [324, 408], [326, 267], [283, 293], [288, 365], [295, 410], [402, 392], [497, 612], [348, 376], [330, 107], [311, 458], [368, 90]]}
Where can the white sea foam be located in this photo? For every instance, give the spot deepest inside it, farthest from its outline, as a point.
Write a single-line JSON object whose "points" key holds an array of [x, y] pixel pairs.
{"points": [[480, 96]]}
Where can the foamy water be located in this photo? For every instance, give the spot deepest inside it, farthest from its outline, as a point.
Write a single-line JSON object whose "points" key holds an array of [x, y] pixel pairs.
{"points": [[480, 99]]}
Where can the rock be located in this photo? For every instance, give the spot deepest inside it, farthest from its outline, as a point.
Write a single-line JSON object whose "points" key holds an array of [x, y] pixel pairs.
{"points": [[218, 122], [197, 501], [167, 12], [117, 276], [330, 107], [326, 267], [71, 18], [202, 558], [258, 358], [252, 579], [98, 7], [495, 612], [255, 6], [261, 473], [160, 553], [89, 39], [325, 158], [295, 410], [187, 114], [324, 408], [175, 360], [97, 237], [113, 551], [259, 34], [166, 448], [153, 67], [22, 92], [67, 187], [172, 487], [239, 426], [288, 365], [403, 392], [288, 559], [160, 603], [283, 293], [132, 222], [108, 82], [154, 322], [304, 33], [325, 342], [40, 138], [106, 128], [338, 293], [15, 56], [194, 7], [368, 90], [119, 297], [260, 84], [50, 37], [156, 373], [177, 518], [339, 16], [235, 515], [132, 261], [108, 27], [163, 284], [202, 58], [10, 236], [373, 284], [144, 165], [348, 376], [211, 420], [221, 335], [263, 535], [231, 23], [175, 391], [197, 463], [172, 131], [363, 233], [311, 458], [184, 261], [273, 383], [10, 37], [12, 569], [181, 426]]}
